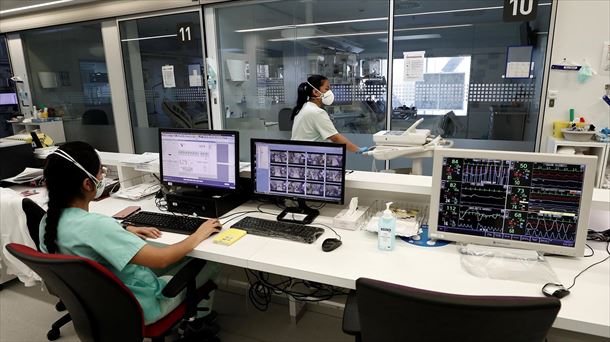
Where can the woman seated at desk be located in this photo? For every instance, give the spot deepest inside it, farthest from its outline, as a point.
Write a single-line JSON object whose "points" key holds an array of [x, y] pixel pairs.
{"points": [[311, 121], [73, 175]]}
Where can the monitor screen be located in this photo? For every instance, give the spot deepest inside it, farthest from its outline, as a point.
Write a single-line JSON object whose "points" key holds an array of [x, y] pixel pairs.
{"points": [[8, 99], [523, 200], [199, 158], [298, 169]]}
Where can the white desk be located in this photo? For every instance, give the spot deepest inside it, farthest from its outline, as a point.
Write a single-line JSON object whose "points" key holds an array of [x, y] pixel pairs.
{"points": [[585, 310]]}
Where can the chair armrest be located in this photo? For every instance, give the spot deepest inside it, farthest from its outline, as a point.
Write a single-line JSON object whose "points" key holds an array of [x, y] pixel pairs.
{"points": [[351, 318], [182, 278]]}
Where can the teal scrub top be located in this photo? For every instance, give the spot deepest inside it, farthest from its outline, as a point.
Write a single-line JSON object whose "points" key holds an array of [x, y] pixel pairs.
{"points": [[104, 240]]}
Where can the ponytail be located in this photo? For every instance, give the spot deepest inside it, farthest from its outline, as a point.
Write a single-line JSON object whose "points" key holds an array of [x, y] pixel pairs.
{"points": [[64, 181], [302, 96], [305, 92]]}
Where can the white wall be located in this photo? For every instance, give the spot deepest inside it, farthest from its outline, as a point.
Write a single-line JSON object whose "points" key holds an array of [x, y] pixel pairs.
{"points": [[581, 28]]}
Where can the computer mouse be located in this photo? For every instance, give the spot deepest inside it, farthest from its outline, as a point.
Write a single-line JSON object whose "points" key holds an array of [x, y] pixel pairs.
{"points": [[555, 290], [331, 244]]}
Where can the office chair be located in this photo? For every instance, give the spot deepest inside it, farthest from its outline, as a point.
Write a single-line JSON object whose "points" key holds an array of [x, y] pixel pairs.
{"points": [[95, 117], [100, 305], [379, 311], [284, 120]]}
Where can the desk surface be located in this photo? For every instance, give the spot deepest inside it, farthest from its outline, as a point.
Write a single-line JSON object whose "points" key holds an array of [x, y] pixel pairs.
{"points": [[585, 310]]}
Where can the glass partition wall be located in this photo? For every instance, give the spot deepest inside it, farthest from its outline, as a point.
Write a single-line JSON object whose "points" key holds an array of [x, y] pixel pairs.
{"points": [[8, 97], [67, 68], [266, 49], [480, 80], [472, 76], [163, 63]]}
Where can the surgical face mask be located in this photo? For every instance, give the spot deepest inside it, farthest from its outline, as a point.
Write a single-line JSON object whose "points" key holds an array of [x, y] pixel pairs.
{"points": [[327, 98], [99, 184]]}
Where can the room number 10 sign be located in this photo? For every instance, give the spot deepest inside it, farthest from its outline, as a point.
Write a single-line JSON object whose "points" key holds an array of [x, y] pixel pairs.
{"points": [[520, 10]]}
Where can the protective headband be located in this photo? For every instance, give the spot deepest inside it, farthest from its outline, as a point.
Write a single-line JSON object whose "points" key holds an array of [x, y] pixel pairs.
{"points": [[69, 158]]}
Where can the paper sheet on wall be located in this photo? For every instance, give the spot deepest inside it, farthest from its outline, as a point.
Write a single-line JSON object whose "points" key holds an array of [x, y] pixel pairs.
{"points": [[605, 67], [517, 69], [195, 78], [414, 65], [169, 81], [518, 61]]}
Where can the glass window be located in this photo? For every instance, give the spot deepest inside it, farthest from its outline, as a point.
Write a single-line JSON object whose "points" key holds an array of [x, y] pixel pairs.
{"points": [[463, 90], [67, 71], [8, 98], [163, 62], [267, 49]]}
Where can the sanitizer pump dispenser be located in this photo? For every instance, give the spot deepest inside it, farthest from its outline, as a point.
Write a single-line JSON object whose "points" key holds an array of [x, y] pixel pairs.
{"points": [[387, 229]]}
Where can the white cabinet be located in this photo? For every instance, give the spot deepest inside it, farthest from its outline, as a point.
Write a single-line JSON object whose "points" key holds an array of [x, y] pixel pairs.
{"points": [[54, 129], [592, 147]]}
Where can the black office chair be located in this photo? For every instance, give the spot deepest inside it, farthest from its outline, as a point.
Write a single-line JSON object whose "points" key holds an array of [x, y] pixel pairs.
{"points": [[95, 117], [34, 214], [379, 311], [100, 305], [284, 120]]}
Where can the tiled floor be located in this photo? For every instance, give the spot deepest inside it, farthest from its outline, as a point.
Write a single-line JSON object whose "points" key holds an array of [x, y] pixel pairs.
{"points": [[26, 315]]}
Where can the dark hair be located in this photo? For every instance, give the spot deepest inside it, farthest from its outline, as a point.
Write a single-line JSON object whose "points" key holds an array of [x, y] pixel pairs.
{"points": [[63, 180], [305, 91]]}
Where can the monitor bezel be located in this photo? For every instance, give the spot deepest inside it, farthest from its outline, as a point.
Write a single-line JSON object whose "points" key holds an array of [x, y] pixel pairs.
{"points": [[590, 163], [200, 131], [253, 143]]}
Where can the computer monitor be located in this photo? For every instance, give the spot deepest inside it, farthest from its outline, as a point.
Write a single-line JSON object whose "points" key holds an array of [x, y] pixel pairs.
{"points": [[512, 199], [298, 170], [8, 99], [199, 159]]}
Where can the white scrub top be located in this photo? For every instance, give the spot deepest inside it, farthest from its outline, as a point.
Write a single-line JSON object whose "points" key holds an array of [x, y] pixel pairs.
{"points": [[312, 123]]}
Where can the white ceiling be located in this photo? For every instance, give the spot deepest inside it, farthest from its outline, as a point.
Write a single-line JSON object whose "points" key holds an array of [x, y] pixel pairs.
{"points": [[11, 4]]}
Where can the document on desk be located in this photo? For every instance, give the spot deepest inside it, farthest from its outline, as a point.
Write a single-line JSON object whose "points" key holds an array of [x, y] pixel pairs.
{"points": [[28, 175], [143, 158]]}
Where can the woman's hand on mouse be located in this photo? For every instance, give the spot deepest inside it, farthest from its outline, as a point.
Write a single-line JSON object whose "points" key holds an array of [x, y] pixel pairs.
{"points": [[208, 228], [145, 232]]}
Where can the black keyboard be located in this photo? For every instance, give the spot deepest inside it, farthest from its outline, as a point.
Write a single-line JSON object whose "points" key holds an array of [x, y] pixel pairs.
{"points": [[283, 230], [165, 222]]}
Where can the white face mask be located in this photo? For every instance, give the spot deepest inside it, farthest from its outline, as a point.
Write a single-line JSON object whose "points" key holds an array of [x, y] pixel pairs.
{"points": [[99, 184], [327, 98]]}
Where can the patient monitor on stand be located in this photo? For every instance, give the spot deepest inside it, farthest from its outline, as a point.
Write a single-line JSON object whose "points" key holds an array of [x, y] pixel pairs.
{"points": [[413, 143]]}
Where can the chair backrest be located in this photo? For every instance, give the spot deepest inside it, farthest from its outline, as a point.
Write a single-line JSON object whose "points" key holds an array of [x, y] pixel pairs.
{"points": [[95, 117], [33, 214], [100, 305], [283, 119], [391, 312]]}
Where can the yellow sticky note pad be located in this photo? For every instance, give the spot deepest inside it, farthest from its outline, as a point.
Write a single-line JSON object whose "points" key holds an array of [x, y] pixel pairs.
{"points": [[229, 236]]}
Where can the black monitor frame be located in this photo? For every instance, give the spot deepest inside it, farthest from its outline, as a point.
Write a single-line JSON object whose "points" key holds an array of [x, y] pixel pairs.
{"points": [[302, 208], [201, 131]]}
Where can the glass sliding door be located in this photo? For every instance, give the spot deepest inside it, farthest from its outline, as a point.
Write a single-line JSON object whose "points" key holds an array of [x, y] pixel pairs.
{"points": [[8, 97], [266, 49], [67, 71], [164, 70], [480, 77]]}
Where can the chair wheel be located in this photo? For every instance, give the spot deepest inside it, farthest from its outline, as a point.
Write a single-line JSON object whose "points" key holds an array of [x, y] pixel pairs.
{"points": [[53, 334], [60, 306]]}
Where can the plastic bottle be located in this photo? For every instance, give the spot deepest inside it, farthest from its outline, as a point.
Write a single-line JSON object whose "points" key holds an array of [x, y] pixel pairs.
{"points": [[387, 229]]}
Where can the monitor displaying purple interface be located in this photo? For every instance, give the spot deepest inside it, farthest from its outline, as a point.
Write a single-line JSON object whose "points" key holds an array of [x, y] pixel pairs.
{"points": [[312, 172], [199, 158], [8, 99]]}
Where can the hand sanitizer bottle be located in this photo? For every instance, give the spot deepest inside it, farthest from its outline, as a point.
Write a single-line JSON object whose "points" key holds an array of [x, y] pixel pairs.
{"points": [[387, 229]]}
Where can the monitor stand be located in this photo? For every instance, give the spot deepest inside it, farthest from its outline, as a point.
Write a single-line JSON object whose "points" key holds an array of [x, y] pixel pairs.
{"points": [[301, 214]]}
